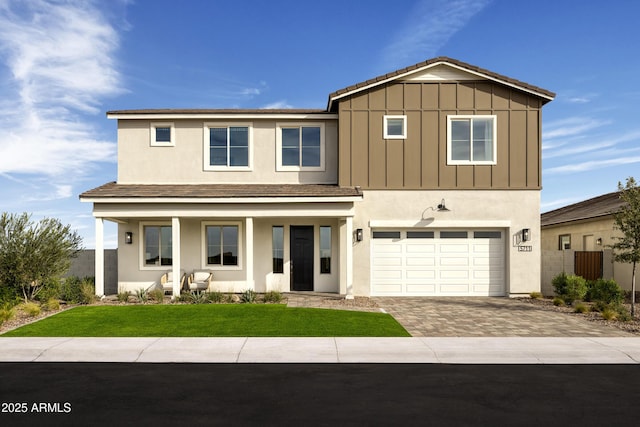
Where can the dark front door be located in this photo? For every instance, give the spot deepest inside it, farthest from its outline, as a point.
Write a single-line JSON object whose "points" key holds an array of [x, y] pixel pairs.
{"points": [[302, 258]]}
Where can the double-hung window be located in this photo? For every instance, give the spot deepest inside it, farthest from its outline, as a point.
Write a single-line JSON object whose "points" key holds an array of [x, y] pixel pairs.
{"points": [[471, 140], [221, 245], [227, 147], [162, 134], [157, 249], [300, 146]]}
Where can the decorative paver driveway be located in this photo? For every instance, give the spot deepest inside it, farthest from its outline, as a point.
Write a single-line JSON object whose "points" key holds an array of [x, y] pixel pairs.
{"points": [[487, 317]]}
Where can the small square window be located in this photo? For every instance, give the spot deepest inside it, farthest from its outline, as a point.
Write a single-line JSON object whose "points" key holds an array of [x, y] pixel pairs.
{"points": [[564, 242], [162, 135], [395, 127]]}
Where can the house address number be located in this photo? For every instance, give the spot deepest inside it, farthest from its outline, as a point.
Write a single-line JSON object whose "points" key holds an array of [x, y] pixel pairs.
{"points": [[525, 248]]}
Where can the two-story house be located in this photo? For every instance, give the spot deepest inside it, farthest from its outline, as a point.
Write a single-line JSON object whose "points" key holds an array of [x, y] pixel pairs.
{"points": [[421, 182]]}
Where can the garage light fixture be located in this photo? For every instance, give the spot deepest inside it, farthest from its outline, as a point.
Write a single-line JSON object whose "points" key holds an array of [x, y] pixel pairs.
{"points": [[359, 235], [525, 235], [128, 237], [442, 207]]}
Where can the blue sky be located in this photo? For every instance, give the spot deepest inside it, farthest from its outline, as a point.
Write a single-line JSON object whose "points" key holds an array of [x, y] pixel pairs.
{"points": [[64, 63]]}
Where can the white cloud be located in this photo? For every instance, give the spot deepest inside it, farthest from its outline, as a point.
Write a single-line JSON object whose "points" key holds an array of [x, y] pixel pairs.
{"points": [[570, 127], [598, 146], [431, 24], [590, 165], [60, 58], [278, 105]]}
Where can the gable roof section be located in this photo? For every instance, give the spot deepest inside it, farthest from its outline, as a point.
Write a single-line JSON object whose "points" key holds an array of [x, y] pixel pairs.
{"points": [[596, 207], [481, 73], [206, 113], [141, 192]]}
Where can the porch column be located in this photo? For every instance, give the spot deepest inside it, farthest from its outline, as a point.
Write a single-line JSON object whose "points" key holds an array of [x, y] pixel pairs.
{"points": [[249, 251], [99, 257], [349, 257], [175, 255]]}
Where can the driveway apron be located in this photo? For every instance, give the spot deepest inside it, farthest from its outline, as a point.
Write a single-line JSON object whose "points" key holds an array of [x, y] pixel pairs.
{"points": [[487, 317]]}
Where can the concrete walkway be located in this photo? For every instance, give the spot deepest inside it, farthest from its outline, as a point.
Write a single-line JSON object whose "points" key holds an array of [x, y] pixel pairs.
{"points": [[509, 350]]}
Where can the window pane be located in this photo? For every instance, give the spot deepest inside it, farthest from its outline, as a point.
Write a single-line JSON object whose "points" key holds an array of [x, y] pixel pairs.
{"points": [[310, 156], [152, 245], [460, 140], [487, 235], [311, 137], [453, 234], [218, 146], [290, 147], [482, 139], [218, 156], [230, 245], [278, 249], [218, 137], [239, 156], [166, 246], [214, 245], [325, 249], [395, 127], [239, 146], [163, 134], [386, 234], [419, 234]]}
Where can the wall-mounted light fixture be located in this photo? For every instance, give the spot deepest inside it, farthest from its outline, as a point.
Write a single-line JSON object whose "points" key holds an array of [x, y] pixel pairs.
{"points": [[526, 236], [359, 235], [599, 241], [442, 207], [128, 237]]}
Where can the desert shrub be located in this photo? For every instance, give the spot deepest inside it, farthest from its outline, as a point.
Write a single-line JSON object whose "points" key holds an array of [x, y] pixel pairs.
{"points": [[198, 297], [157, 295], [609, 314], [557, 301], [77, 291], [248, 296], [7, 311], [51, 304], [142, 295], [607, 291], [31, 309], [87, 292], [570, 288], [215, 297], [535, 295], [50, 290], [580, 308], [272, 297], [123, 296]]}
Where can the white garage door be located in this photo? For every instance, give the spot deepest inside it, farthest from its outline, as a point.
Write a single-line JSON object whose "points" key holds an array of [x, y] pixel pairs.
{"points": [[438, 263]]}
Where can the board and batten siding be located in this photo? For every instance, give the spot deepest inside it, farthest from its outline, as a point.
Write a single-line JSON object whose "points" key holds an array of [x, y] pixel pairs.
{"points": [[420, 161]]}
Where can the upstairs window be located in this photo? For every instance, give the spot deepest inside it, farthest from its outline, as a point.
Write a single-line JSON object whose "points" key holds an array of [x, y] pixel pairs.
{"points": [[394, 127], [300, 147], [162, 135], [471, 140], [227, 147]]}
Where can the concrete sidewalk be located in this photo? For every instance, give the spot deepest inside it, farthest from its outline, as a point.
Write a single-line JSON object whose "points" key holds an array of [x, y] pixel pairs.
{"points": [[450, 350]]}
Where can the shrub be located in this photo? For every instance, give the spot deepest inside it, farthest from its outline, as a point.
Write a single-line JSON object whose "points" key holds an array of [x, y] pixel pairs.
{"points": [[557, 301], [609, 314], [123, 296], [575, 288], [198, 297], [31, 309], [560, 283], [6, 312], [272, 297], [248, 296], [580, 308], [51, 304], [607, 291], [78, 291], [50, 290], [157, 295], [215, 297], [87, 292], [142, 295]]}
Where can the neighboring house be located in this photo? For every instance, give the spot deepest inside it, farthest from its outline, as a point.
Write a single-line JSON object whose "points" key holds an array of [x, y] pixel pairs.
{"points": [[575, 239], [421, 182]]}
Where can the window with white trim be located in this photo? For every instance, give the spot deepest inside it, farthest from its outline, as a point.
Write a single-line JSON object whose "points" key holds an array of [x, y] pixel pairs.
{"points": [[157, 247], [227, 146], [394, 127], [162, 134], [471, 140], [221, 245], [300, 146]]}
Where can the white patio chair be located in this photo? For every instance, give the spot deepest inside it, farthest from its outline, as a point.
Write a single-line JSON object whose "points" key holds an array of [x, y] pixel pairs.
{"points": [[200, 280]]}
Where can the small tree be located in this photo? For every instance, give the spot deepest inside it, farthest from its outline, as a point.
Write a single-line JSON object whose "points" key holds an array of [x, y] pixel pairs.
{"points": [[627, 220], [32, 253]]}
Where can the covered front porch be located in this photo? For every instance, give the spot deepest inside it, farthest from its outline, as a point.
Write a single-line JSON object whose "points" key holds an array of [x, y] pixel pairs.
{"points": [[259, 243]]}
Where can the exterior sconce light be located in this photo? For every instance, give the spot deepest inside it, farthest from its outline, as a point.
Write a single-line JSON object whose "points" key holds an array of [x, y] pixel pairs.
{"points": [[128, 237], [359, 235], [525, 235], [442, 207], [599, 241]]}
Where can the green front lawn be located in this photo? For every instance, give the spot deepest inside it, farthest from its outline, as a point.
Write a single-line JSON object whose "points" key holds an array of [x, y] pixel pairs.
{"points": [[211, 320]]}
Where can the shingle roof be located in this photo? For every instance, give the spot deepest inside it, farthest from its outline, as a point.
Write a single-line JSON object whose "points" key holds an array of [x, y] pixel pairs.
{"points": [[604, 205], [548, 95], [204, 111], [178, 191]]}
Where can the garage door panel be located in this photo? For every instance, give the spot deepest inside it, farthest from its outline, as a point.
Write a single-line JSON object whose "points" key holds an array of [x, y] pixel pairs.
{"points": [[439, 265]]}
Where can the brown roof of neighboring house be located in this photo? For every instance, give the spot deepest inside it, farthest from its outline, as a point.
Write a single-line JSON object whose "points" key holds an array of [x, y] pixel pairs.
{"points": [[545, 94], [114, 190], [600, 206]]}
